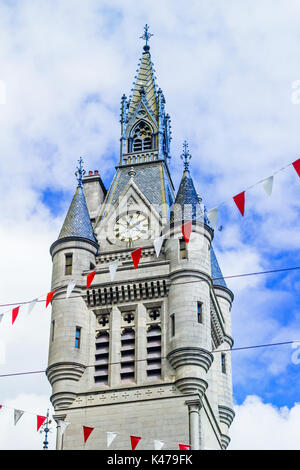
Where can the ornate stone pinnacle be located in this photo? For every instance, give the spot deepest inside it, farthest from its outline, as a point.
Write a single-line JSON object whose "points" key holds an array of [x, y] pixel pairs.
{"points": [[80, 172], [131, 172], [186, 156]]}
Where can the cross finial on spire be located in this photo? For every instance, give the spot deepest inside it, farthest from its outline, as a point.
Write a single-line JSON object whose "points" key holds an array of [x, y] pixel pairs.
{"points": [[186, 156], [146, 36], [80, 172]]}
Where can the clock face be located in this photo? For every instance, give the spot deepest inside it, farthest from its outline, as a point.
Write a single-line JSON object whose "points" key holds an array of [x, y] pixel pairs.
{"points": [[131, 227]]}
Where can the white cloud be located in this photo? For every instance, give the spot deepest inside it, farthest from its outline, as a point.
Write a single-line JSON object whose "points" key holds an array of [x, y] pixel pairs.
{"points": [[259, 426]]}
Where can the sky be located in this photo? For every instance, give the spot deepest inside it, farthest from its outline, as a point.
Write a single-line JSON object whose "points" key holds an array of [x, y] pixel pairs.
{"points": [[229, 73]]}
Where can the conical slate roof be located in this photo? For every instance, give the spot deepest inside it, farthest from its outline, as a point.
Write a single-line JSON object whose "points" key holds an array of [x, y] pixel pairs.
{"points": [[77, 222], [187, 206], [216, 272]]}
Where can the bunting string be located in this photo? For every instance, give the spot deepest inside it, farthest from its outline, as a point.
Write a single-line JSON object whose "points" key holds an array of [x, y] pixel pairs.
{"points": [[87, 430], [241, 348], [239, 199], [186, 228], [233, 276]]}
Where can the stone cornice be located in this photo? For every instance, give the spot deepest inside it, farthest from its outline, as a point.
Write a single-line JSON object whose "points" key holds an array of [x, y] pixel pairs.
{"points": [[66, 240], [190, 356], [226, 415]]}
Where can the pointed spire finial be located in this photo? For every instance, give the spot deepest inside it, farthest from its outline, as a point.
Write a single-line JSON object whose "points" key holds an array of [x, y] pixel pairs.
{"points": [[131, 172], [146, 36], [186, 156], [80, 172]]}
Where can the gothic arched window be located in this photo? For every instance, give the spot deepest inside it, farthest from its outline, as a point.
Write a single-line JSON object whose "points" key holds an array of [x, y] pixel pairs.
{"points": [[142, 137]]}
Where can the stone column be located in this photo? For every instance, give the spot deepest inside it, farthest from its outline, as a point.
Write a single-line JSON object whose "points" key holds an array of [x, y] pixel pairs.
{"points": [[59, 436], [115, 347], [194, 423], [140, 344]]}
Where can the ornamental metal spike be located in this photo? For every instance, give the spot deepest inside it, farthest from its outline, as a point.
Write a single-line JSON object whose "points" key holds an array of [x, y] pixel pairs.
{"points": [[186, 156], [80, 172], [146, 36]]}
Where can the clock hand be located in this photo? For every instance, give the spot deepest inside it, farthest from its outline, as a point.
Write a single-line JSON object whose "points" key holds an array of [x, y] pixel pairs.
{"points": [[137, 223]]}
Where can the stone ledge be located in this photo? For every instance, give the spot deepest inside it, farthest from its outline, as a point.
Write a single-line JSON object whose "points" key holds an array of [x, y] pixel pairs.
{"points": [[193, 385], [226, 415], [225, 441], [64, 371], [190, 356]]}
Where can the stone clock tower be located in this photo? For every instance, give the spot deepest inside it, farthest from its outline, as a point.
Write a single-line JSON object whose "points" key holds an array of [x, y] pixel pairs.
{"points": [[140, 354]]}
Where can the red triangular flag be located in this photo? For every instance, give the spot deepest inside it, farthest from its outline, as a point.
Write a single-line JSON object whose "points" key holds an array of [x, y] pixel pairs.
{"points": [[186, 231], [49, 297], [86, 432], [90, 278], [184, 447], [15, 312], [40, 420], [134, 441], [239, 199], [136, 255], [296, 165]]}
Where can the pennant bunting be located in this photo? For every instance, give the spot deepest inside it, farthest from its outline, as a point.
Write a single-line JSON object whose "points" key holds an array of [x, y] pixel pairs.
{"points": [[158, 445], [63, 426], [268, 185], [113, 269], [184, 447], [49, 297], [186, 230], [86, 432], [17, 415], [136, 256], [296, 165], [90, 278], [239, 199], [15, 312], [31, 306], [110, 437], [70, 287], [212, 217], [0, 407], [1, 317], [40, 420], [158, 244], [134, 441]]}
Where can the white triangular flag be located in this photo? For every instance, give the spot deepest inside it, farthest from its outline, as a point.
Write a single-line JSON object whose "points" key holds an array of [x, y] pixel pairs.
{"points": [[158, 244], [158, 445], [70, 287], [212, 217], [268, 185], [17, 415], [32, 305], [63, 426], [110, 437], [2, 352], [113, 269]]}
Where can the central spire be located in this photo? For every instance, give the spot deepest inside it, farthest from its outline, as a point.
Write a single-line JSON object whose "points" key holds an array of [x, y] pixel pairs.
{"points": [[145, 126]]}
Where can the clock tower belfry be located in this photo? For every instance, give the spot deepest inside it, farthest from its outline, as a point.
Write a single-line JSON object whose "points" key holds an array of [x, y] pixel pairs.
{"points": [[141, 353]]}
